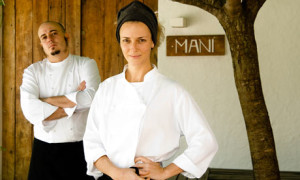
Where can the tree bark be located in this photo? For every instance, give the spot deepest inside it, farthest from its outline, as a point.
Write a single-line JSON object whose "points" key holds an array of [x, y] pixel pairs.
{"points": [[247, 78], [237, 18]]}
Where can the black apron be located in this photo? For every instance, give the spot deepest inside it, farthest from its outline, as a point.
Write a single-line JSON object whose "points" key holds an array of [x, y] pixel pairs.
{"points": [[57, 161]]}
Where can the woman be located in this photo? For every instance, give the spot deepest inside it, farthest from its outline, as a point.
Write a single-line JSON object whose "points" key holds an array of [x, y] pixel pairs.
{"points": [[137, 117]]}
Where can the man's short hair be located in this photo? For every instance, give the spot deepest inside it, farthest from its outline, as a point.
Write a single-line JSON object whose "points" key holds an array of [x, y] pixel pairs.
{"points": [[58, 23]]}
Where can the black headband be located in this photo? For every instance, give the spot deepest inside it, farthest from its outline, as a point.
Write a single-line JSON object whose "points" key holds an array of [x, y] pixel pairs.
{"points": [[137, 11]]}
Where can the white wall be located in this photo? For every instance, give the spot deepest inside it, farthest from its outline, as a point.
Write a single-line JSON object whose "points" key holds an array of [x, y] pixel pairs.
{"points": [[210, 79]]}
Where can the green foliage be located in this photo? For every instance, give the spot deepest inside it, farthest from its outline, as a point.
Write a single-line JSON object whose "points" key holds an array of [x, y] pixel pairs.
{"points": [[2, 3]]}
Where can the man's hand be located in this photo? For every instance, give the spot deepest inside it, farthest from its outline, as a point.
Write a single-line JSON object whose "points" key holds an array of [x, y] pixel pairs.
{"points": [[59, 113], [81, 86], [59, 101]]}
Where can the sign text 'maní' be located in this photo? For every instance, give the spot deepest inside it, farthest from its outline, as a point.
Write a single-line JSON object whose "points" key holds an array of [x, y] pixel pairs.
{"points": [[196, 45]]}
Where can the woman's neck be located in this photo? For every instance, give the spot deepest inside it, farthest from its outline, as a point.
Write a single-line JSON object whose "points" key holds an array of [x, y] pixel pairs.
{"points": [[136, 74]]}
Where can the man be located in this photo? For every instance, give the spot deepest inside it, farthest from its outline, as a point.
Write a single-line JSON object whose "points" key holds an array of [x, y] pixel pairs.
{"points": [[56, 94]]}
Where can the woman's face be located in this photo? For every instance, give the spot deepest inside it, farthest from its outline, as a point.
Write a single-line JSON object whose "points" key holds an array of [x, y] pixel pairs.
{"points": [[136, 43]]}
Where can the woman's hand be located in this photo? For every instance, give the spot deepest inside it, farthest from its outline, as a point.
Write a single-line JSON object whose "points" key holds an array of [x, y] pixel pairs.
{"points": [[107, 167], [126, 173], [149, 169]]}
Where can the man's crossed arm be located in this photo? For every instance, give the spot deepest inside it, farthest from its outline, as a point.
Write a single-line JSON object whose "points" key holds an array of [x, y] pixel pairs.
{"points": [[61, 102]]}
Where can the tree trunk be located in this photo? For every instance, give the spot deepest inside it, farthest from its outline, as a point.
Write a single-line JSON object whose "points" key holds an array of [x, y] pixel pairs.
{"points": [[240, 34]]}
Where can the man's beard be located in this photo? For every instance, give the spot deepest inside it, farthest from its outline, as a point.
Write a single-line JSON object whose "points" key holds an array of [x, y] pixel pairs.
{"points": [[55, 52]]}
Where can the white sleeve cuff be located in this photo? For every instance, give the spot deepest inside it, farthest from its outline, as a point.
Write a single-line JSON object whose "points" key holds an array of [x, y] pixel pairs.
{"points": [[48, 110], [71, 97], [48, 125], [189, 168], [91, 169]]}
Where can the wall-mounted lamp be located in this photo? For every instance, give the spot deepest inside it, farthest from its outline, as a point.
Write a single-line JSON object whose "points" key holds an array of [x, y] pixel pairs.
{"points": [[179, 22]]}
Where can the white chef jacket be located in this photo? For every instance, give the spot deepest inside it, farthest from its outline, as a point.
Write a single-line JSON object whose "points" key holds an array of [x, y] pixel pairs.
{"points": [[127, 120], [45, 79]]}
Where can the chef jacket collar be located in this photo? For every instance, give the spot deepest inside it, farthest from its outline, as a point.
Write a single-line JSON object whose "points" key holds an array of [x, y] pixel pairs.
{"points": [[148, 76], [61, 62]]}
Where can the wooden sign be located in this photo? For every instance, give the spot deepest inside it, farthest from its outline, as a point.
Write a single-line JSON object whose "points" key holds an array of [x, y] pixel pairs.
{"points": [[206, 45]]}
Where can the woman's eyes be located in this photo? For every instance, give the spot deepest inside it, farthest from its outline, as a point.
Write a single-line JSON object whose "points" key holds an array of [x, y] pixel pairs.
{"points": [[139, 40]]}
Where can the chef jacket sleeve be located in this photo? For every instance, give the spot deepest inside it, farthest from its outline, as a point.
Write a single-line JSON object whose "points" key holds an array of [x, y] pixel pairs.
{"points": [[34, 110], [202, 145], [92, 140], [83, 99]]}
